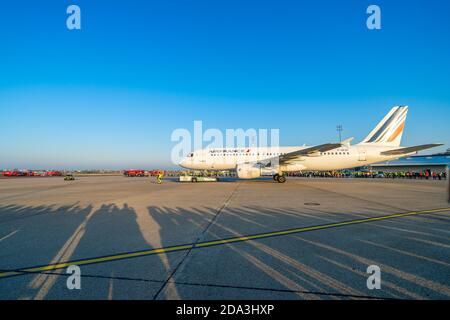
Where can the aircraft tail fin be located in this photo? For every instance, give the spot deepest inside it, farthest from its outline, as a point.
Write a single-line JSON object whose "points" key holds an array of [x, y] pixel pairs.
{"points": [[389, 131]]}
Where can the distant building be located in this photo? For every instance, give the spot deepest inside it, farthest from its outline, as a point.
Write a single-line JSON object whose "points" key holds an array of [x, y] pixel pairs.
{"points": [[435, 162]]}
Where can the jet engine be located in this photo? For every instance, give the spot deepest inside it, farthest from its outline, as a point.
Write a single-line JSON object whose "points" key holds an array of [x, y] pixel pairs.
{"points": [[248, 171]]}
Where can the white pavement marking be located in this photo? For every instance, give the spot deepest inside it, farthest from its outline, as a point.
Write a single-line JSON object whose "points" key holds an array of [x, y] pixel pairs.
{"points": [[44, 282], [8, 235]]}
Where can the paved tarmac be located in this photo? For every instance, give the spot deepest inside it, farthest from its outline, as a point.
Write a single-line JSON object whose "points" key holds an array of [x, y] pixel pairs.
{"points": [[315, 238]]}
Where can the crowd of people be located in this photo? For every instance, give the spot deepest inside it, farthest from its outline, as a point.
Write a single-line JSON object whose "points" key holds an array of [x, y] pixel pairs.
{"points": [[425, 174], [421, 175]]}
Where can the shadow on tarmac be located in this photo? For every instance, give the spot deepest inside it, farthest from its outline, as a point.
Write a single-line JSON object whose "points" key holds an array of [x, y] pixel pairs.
{"points": [[317, 265]]}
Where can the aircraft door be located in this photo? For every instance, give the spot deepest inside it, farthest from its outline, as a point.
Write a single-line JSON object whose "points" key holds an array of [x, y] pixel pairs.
{"points": [[362, 155]]}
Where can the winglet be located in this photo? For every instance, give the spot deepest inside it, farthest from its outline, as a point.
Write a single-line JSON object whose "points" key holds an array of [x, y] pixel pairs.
{"points": [[346, 142]]}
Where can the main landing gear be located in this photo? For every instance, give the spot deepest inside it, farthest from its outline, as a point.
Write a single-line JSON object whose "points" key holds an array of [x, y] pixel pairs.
{"points": [[279, 178]]}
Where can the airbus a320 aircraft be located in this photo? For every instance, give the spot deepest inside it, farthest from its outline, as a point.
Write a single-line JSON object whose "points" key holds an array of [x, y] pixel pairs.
{"points": [[382, 143]]}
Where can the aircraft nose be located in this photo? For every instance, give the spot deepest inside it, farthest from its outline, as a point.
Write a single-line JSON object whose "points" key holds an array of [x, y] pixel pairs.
{"points": [[182, 163]]}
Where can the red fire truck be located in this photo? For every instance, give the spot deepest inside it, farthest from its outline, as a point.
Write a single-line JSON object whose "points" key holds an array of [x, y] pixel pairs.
{"points": [[53, 173], [14, 173], [134, 173]]}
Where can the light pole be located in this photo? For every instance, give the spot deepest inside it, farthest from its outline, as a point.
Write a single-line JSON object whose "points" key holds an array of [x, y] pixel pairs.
{"points": [[339, 129]]}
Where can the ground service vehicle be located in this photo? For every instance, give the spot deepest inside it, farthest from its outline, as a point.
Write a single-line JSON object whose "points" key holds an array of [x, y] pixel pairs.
{"points": [[69, 177], [53, 173], [186, 178], [134, 173]]}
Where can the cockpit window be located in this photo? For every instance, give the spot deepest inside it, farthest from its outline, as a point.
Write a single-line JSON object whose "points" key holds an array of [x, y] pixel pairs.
{"points": [[190, 155]]}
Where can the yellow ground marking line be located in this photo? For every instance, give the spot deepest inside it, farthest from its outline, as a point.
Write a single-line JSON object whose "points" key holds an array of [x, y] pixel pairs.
{"points": [[210, 243]]}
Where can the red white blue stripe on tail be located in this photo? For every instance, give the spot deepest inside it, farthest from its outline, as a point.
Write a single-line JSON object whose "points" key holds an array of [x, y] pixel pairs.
{"points": [[390, 130]]}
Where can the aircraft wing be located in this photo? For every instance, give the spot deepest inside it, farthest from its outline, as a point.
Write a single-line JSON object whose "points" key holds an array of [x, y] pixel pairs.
{"points": [[308, 151], [410, 149]]}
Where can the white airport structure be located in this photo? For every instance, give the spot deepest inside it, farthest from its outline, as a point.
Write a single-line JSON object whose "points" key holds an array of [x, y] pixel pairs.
{"points": [[434, 162]]}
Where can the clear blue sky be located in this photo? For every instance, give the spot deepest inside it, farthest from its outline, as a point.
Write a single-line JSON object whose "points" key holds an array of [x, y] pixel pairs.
{"points": [[110, 94]]}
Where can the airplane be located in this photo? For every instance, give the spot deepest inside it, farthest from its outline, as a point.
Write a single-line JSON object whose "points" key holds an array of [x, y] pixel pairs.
{"points": [[382, 144]]}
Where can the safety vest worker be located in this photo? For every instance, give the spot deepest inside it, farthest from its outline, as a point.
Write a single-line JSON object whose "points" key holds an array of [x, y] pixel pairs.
{"points": [[159, 177]]}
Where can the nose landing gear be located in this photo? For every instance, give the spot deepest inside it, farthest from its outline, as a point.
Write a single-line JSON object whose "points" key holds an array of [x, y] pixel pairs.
{"points": [[280, 178]]}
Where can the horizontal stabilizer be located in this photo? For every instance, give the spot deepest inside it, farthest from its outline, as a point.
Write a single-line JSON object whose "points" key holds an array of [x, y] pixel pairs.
{"points": [[408, 150]]}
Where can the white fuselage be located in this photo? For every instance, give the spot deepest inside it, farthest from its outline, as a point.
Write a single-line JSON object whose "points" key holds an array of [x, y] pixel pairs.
{"points": [[344, 157], [382, 143]]}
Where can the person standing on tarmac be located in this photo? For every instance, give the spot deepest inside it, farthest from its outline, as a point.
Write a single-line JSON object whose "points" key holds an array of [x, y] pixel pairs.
{"points": [[159, 177]]}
